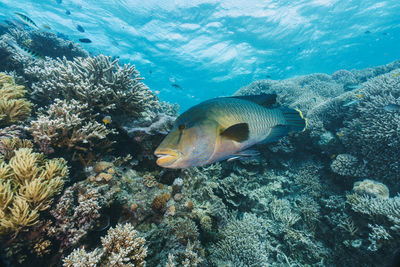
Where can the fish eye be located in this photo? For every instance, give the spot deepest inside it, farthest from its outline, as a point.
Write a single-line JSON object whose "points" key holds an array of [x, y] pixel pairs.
{"points": [[181, 127]]}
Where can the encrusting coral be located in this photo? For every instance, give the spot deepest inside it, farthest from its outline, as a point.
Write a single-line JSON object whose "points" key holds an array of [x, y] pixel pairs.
{"points": [[28, 183], [120, 247], [13, 106]]}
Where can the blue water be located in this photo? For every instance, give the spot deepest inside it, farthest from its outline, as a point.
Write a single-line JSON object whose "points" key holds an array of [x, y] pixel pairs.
{"points": [[212, 48]]}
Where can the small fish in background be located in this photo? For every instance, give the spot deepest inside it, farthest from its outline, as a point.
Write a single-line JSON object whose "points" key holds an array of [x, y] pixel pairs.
{"points": [[85, 40], [150, 72], [333, 156], [26, 20], [349, 87], [172, 79], [349, 103], [25, 51], [70, 45], [176, 86], [367, 32], [359, 96], [107, 120], [157, 92], [80, 28], [392, 108], [45, 26], [396, 74], [115, 43], [67, 12], [268, 76], [59, 1]]}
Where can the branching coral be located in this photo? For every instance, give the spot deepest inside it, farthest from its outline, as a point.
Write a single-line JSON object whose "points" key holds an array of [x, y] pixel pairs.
{"points": [[98, 82], [13, 107], [120, 247], [64, 125], [28, 183], [75, 220], [372, 131]]}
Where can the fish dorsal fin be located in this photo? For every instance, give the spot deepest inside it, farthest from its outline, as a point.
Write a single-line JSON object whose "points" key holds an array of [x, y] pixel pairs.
{"points": [[237, 132], [265, 100]]}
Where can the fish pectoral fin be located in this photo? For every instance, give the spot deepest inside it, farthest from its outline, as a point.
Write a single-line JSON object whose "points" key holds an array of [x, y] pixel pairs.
{"points": [[276, 133], [237, 132], [265, 100], [250, 153]]}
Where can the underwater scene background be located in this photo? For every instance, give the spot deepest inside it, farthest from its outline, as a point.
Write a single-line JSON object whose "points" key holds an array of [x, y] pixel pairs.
{"points": [[89, 89]]}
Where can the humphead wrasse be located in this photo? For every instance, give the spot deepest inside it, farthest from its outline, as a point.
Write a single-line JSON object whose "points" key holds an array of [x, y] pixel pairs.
{"points": [[222, 128]]}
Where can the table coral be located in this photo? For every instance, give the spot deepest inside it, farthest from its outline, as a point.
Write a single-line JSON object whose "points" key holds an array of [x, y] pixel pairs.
{"points": [[13, 106]]}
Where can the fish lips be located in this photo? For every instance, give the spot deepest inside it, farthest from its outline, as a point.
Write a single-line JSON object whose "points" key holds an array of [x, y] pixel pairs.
{"points": [[167, 157]]}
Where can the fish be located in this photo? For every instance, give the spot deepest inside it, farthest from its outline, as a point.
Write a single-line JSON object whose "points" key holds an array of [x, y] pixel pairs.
{"points": [[359, 95], [46, 26], [106, 120], [25, 50], [59, 1], [67, 12], [157, 92], [223, 128], [396, 74], [176, 86], [349, 103], [367, 32], [26, 20], [392, 108], [80, 28], [85, 40]]}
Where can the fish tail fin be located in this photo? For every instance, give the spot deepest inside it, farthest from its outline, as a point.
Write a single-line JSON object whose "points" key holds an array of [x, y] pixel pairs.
{"points": [[294, 119]]}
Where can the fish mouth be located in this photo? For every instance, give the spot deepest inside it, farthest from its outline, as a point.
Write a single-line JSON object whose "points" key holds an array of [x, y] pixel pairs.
{"points": [[167, 157]]}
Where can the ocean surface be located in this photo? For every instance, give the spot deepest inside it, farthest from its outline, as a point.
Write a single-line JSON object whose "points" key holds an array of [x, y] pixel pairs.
{"points": [[112, 155]]}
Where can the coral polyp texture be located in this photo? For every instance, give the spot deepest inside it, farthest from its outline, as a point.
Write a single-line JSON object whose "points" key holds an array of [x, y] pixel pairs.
{"points": [[120, 247], [65, 125], [28, 184], [99, 82], [14, 107]]}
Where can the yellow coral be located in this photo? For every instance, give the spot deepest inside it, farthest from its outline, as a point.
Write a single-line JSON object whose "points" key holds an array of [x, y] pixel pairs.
{"points": [[21, 215], [9, 145], [24, 165], [28, 184], [13, 107]]}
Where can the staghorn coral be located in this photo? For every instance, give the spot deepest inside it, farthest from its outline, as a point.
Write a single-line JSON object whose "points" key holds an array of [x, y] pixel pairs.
{"points": [[99, 83], [13, 107], [75, 220], [28, 184], [120, 247], [241, 243], [372, 132], [65, 126]]}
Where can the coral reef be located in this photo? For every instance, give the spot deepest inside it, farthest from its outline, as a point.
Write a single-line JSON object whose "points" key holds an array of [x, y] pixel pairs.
{"points": [[28, 185], [68, 126], [13, 106], [120, 247], [99, 83]]}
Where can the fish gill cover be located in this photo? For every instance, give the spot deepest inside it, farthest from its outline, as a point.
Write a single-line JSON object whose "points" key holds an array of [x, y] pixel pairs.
{"points": [[82, 91]]}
